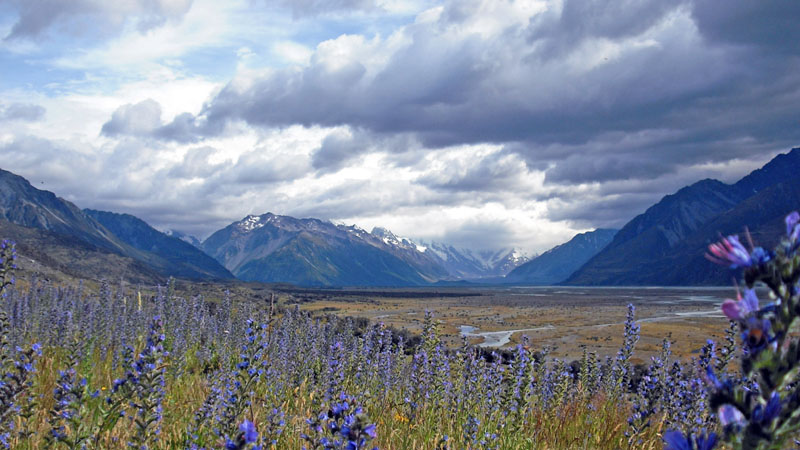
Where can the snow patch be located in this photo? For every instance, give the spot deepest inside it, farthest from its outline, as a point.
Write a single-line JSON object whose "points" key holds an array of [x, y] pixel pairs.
{"points": [[250, 223]]}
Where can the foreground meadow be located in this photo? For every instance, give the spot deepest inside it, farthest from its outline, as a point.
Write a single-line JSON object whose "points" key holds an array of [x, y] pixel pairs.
{"points": [[169, 372]]}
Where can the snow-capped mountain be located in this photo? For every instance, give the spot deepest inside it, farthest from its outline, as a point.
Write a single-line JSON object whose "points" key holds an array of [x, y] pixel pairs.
{"points": [[460, 263], [393, 240], [272, 248], [464, 263]]}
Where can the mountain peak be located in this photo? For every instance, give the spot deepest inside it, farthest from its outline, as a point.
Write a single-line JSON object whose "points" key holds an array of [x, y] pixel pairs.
{"points": [[781, 167], [382, 232], [473, 264], [252, 221]]}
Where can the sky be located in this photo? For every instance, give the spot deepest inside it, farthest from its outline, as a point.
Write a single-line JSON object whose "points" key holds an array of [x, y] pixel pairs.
{"points": [[480, 123]]}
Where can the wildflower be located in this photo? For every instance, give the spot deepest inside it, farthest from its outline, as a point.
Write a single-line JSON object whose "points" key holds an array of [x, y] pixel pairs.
{"points": [[730, 251], [793, 226], [759, 256], [675, 440], [757, 334], [765, 414], [741, 307], [247, 435], [249, 432], [730, 416]]}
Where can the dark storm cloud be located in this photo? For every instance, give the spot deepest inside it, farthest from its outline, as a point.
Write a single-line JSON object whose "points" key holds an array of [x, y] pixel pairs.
{"points": [[615, 202], [770, 26], [453, 91], [24, 112], [601, 212], [183, 128], [581, 169], [341, 148], [581, 19], [337, 149], [618, 103], [496, 172], [527, 87], [85, 17]]}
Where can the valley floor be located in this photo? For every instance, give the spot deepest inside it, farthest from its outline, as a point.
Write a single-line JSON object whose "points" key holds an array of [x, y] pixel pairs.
{"points": [[563, 318]]}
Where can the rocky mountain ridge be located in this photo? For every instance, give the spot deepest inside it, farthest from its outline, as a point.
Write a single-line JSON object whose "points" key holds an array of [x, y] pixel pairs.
{"points": [[665, 244]]}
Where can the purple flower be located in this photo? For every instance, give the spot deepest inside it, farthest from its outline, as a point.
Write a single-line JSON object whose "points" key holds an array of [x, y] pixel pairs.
{"points": [[729, 251], [792, 228], [760, 256], [756, 335], [766, 414], [675, 440], [741, 307], [249, 432], [706, 442], [730, 415]]}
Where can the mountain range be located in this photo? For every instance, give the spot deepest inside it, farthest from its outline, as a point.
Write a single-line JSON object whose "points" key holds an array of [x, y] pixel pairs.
{"points": [[85, 243], [665, 244], [82, 242], [272, 248], [475, 265], [662, 246]]}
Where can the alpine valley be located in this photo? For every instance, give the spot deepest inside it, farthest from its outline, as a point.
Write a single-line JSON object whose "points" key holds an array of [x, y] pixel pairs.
{"points": [[662, 246]]}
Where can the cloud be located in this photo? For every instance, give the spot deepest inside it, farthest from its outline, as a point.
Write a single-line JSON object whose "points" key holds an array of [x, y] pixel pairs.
{"points": [[560, 77], [82, 17], [578, 20], [769, 27], [24, 112], [338, 148], [313, 8], [482, 233], [486, 121], [596, 211], [496, 172], [41, 159], [138, 119], [143, 120], [197, 164], [344, 145], [183, 128], [261, 166]]}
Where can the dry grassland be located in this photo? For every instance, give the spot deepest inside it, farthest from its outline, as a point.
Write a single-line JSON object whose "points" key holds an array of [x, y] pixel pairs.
{"points": [[565, 319]]}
